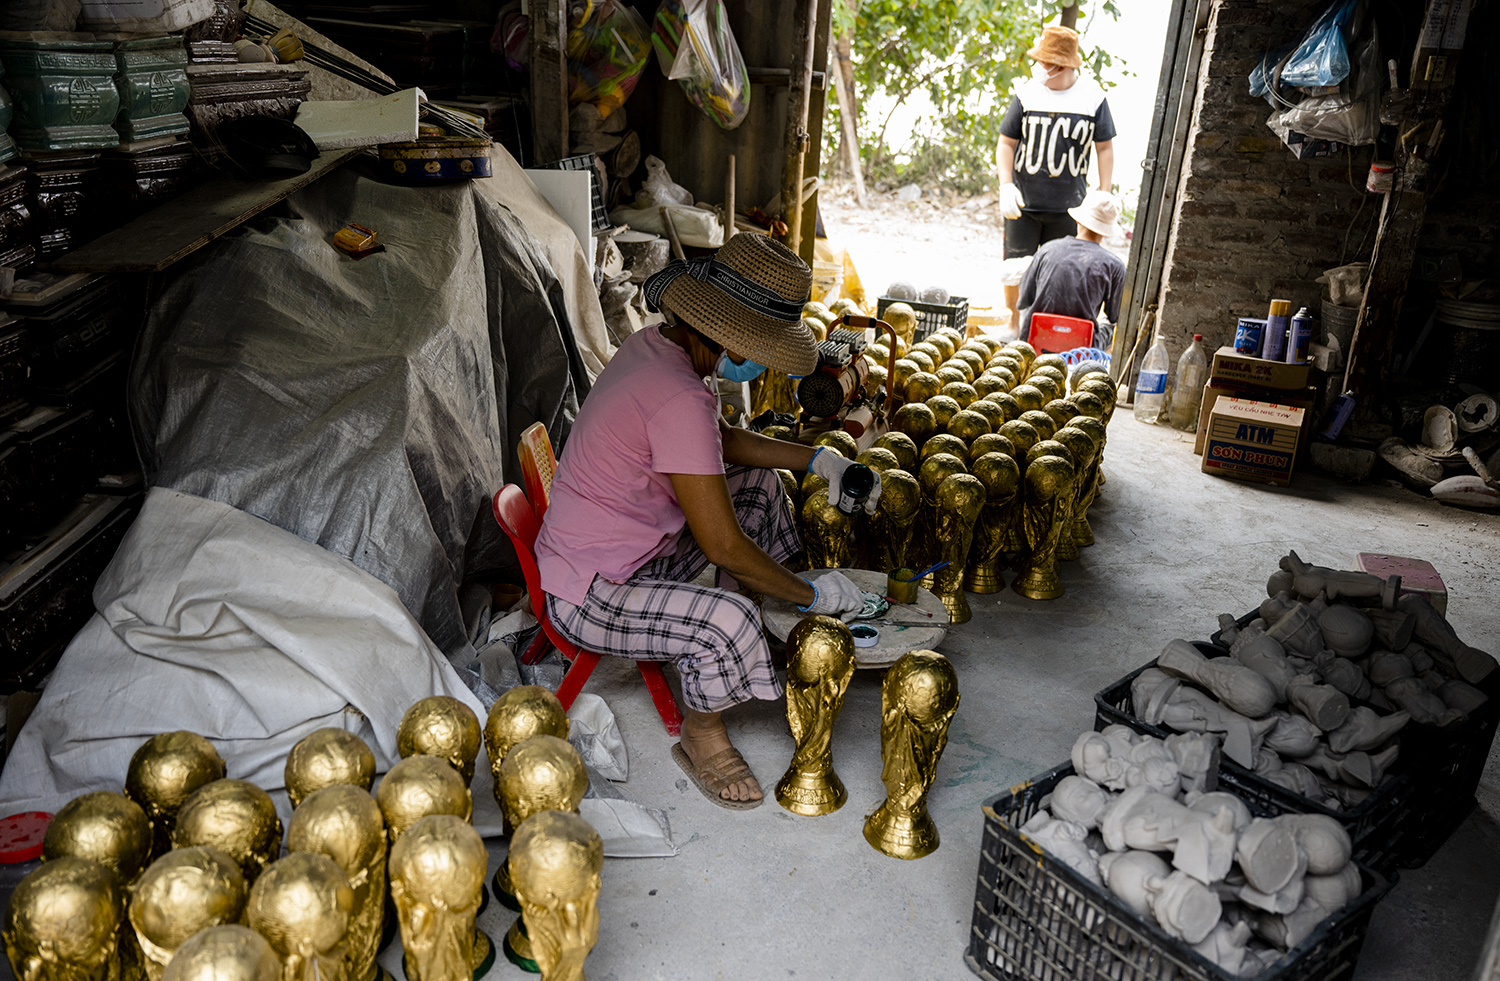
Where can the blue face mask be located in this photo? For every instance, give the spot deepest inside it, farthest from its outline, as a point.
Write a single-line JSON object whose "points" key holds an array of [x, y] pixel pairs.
{"points": [[742, 372]]}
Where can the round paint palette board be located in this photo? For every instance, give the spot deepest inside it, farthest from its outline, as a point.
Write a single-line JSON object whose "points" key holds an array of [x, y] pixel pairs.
{"points": [[911, 632]]}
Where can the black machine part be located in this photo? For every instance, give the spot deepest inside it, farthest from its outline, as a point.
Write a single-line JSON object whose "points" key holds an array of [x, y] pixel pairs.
{"points": [[840, 377]]}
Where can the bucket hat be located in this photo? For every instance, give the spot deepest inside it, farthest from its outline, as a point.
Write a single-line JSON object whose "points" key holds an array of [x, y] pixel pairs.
{"points": [[1057, 46], [747, 296], [1099, 212]]}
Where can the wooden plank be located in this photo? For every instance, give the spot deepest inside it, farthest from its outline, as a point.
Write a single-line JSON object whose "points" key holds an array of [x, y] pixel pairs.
{"points": [[178, 228], [549, 82]]}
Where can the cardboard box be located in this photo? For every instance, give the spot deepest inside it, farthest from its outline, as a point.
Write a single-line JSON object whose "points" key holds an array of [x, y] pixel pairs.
{"points": [[1212, 390], [1241, 369], [1254, 441]]}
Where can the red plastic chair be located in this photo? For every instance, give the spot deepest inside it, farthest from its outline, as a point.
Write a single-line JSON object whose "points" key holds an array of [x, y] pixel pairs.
{"points": [[1057, 333], [514, 514]]}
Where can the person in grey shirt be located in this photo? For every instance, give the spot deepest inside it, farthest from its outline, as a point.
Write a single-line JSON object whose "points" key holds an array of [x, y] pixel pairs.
{"points": [[1075, 277]]}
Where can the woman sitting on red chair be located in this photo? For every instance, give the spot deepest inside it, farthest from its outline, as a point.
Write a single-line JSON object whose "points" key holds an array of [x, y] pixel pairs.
{"points": [[653, 486]]}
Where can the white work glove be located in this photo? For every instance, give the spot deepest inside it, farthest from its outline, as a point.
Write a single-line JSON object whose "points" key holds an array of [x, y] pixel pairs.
{"points": [[835, 595], [830, 464], [1011, 201]]}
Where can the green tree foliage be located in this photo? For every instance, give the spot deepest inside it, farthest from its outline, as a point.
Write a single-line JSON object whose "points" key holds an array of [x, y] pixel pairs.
{"points": [[964, 55]]}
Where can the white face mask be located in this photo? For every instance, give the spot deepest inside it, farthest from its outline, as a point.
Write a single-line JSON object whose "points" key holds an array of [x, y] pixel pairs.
{"points": [[1038, 73]]}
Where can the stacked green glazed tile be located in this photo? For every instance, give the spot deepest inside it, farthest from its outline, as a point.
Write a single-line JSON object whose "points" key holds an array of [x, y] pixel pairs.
{"points": [[153, 85], [64, 93]]}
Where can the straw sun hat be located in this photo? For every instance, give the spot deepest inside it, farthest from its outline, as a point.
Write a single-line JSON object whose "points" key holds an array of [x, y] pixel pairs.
{"points": [[747, 296], [1057, 46]]}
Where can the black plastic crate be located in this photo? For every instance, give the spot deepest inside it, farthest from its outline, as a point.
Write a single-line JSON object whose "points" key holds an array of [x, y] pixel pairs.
{"points": [[1035, 919], [1377, 826], [932, 316]]}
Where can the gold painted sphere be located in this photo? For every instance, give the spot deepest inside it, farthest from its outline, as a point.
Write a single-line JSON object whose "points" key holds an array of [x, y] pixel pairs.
{"points": [[961, 392], [944, 341], [949, 374], [555, 860], [990, 443], [1029, 397], [978, 348], [104, 826], [543, 773], [945, 443], [922, 359], [522, 712], [419, 786], [840, 442], [1046, 477], [969, 426], [1049, 447], [1093, 427], [168, 767], [301, 904], [441, 860], [224, 953], [185, 891], [1052, 360], [922, 386], [818, 647], [903, 446], [777, 432], [1079, 443], [965, 370], [1026, 351], [441, 726], [993, 344], [342, 822], [930, 349], [973, 359], [1006, 361], [900, 495], [990, 381], [1050, 388], [1022, 435], [924, 685], [62, 920], [905, 368], [235, 816], [944, 407], [1000, 475], [1061, 410], [915, 420], [875, 381], [990, 410], [1007, 403], [879, 459], [1088, 404], [936, 469], [325, 758], [1041, 422]]}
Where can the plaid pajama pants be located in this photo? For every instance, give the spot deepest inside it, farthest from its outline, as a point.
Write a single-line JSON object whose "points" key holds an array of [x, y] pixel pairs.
{"points": [[713, 635]]}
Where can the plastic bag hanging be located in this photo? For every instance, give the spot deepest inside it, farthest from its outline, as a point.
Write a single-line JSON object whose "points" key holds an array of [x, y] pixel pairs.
{"points": [[695, 47], [1323, 56], [607, 50]]}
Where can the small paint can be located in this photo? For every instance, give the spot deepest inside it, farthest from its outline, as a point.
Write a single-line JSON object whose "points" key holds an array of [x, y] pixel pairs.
{"points": [[1247, 335], [900, 586], [1300, 337], [864, 635]]}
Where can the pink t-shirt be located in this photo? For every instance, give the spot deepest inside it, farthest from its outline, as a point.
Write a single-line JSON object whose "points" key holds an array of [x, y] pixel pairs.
{"points": [[612, 508]]}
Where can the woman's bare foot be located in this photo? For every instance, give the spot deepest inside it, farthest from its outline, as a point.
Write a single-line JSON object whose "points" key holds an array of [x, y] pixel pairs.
{"points": [[703, 738]]}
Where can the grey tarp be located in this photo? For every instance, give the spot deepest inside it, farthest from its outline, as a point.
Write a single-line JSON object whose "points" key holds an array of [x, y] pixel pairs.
{"points": [[373, 406]]}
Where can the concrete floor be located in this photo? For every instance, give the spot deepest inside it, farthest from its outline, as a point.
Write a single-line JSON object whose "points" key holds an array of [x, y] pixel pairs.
{"points": [[766, 894]]}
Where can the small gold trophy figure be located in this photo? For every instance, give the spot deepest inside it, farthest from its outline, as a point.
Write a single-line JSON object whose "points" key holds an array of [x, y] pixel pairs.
{"points": [[63, 923], [235, 816], [437, 878], [301, 904], [894, 518], [522, 712], [419, 786], [441, 726], [1049, 481], [225, 953], [168, 767], [1081, 445], [1002, 480], [959, 501], [555, 861], [107, 827], [917, 701], [326, 758], [827, 533], [183, 892], [820, 664], [1091, 480], [344, 823]]}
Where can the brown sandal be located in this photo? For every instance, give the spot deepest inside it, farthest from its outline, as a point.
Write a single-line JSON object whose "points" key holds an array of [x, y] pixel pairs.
{"points": [[717, 772]]}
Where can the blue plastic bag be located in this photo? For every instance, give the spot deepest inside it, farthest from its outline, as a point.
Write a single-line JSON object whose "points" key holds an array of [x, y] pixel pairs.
{"points": [[1322, 58]]}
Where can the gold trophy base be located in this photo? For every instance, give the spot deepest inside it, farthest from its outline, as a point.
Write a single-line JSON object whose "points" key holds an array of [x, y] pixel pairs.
{"points": [[1039, 584], [1083, 533], [811, 794], [518, 948], [984, 578], [483, 957], [501, 887], [901, 835], [1067, 546], [957, 606]]}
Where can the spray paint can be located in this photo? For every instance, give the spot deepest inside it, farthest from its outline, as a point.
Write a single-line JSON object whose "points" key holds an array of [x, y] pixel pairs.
{"points": [[1300, 338], [1247, 336], [1273, 345]]}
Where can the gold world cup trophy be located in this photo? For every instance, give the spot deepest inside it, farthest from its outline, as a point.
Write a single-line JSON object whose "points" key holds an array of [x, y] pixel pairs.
{"points": [[893, 521], [1092, 479], [1049, 480], [827, 532], [556, 860], [1001, 478], [186, 891], [820, 664], [522, 712], [542, 773], [437, 879], [225, 953], [327, 758], [235, 816], [924, 549], [63, 923], [344, 823], [917, 702], [1081, 445], [163, 772], [419, 786], [960, 498], [441, 726], [301, 904]]}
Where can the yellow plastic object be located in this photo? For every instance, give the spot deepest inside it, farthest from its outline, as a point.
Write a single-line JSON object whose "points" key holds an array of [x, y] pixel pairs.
{"points": [[354, 238], [288, 46]]}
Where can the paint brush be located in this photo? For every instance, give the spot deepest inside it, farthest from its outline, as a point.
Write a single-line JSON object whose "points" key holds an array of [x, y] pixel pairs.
{"points": [[927, 571]]}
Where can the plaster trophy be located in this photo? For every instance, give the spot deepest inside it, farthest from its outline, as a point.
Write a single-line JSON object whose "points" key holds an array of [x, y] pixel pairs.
{"points": [[944, 407], [989, 381], [905, 367], [1297, 631], [1048, 482], [1159, 699], [63, 923], [1293, 735], [1385, 667], [556, 860], [993, 415], [945, 443], [441, 726], [1343, 674], [1336, 890], [1262, 654], [903, 446], [1081, 445], [959, 500], [1065, 841], [1028, 396], [166, 768], [542, 773], [437, 880], [1364, 730], [185, 891], [820, 664], [827, 532], [1079, 800], [1001, 478], [1041, 422], [1237, 686], [1323, 705], [417, 787], [1184, 907], [776, 393], [1008, 405], [107, 827], [917, 701], [1346, 630], [1143, 817], [1310, 580], [224, 953], [1092, 479], [235, 816], [1468, 663], [522, 712], [1413, 697], [344, 823], [1268, 856], [325, 758], [894, 519], [301, 904], [1355, 768]]}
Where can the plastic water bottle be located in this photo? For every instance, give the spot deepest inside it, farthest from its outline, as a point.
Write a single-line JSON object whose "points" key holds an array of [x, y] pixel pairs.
{"points": [[1151, 383], [1187, 398]]}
